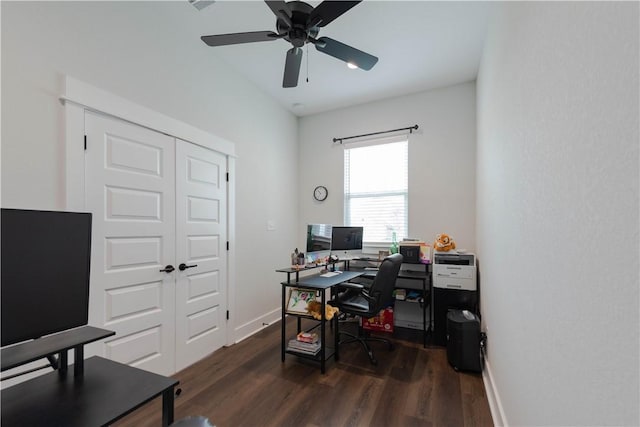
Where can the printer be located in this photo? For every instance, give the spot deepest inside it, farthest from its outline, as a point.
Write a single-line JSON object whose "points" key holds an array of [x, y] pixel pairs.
{"points": [[454, 271], [454, 287]]}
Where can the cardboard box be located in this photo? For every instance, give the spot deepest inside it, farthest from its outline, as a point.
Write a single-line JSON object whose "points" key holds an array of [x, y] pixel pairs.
{"points": [[383, 322]]}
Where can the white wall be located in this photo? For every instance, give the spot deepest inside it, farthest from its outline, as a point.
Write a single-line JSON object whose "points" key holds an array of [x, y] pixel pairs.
{"points": [[136, 50], [558, 223], [441, 160]]}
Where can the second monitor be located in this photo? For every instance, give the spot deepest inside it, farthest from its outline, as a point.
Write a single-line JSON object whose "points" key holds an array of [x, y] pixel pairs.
{"points": [[346, 241]]}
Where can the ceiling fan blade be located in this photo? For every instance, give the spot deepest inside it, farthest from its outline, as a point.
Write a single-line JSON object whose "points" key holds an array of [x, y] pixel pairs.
{"points": [[292, 67], [346, 53], [327, 11], [281, 10], [238, 38]]}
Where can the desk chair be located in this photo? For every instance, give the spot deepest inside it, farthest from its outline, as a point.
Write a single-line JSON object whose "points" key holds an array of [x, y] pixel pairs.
{"points": [[367, 302]]}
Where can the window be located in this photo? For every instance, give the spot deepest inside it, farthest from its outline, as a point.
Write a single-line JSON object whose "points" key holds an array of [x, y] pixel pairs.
{"points": [[376, 189]]}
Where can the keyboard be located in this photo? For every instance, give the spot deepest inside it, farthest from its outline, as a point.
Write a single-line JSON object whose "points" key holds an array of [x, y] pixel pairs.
{"points": [[330, 274]]}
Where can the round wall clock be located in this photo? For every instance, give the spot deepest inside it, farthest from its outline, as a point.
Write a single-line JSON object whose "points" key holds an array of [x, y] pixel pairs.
{"points": [[320, 193]]}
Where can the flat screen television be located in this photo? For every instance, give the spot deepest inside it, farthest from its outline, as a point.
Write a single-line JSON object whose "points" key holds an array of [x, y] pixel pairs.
{"points": [[45, 272], [318, 237], [346, 239]]}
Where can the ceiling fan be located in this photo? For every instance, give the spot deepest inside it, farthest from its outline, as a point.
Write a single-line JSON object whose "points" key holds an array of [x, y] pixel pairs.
{"points": [[299, 23]]}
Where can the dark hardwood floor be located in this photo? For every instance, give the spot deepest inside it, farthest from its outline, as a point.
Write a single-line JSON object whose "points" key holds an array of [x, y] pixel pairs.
{"points": [[248, 385]]}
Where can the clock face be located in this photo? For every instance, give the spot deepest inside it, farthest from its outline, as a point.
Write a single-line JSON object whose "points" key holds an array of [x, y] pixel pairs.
{"points": [[320, 193]]}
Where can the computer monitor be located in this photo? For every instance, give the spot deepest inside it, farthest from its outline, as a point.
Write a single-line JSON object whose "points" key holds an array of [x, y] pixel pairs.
{"points": [[318, 239], [45, 272], [346, 241]]}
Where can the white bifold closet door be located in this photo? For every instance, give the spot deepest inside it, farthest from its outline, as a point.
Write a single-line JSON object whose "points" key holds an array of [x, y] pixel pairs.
{"points": [[201, 230], [158, 202]]}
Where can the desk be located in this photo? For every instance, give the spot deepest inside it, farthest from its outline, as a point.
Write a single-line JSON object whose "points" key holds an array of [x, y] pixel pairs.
{"points": [[105, 393], [319, 284], [100, 391], [60, 343], [298, 269]]}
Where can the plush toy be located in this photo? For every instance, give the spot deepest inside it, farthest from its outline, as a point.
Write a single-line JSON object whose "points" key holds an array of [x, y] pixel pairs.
{"points": [[313, 307], [444, 243]]}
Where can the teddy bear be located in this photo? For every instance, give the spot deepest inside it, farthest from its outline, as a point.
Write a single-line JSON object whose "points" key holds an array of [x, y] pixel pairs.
{"points": [[313, 307], [444, 243]]}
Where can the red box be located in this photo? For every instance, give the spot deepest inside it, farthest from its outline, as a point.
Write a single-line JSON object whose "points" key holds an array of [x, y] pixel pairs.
{"points": [[383, 322]]}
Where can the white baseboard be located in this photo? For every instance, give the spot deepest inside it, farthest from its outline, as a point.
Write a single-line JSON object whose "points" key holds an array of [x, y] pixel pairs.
{"points": [[244, 331], [495, 405]]}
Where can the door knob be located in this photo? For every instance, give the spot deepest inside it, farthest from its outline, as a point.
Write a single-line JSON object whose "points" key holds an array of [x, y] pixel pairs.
{"points": [[184, 266], [168, 269]]}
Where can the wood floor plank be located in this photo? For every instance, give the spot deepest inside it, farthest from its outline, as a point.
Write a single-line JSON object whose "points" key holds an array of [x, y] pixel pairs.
{"points": [[419, 388], [248, 385]]}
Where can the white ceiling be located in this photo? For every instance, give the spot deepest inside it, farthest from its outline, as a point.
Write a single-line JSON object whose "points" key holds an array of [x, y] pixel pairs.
{"points": [[421, 45]]}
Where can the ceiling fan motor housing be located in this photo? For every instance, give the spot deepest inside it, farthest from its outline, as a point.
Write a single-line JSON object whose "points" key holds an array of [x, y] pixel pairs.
{"points": [[299, 34]]}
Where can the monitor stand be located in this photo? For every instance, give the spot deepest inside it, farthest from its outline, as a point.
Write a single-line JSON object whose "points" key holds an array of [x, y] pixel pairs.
{"points": [[348, 255]]}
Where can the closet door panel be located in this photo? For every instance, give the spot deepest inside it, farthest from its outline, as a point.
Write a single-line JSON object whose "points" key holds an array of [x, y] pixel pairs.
{"points": [[201, 237], [130, 189]]}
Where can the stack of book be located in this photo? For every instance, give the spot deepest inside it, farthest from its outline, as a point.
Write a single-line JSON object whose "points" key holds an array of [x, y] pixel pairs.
{"points": [[308, 345], [310, 337]]}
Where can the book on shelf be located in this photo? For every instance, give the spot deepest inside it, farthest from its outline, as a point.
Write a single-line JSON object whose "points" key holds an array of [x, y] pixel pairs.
{"points": [[309, 337], [301, 351], [303, 347], [413, 296]]}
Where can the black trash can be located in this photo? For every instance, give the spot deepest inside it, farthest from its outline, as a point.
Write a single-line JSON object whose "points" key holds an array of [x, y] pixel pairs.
{"points": [[463, 341]]}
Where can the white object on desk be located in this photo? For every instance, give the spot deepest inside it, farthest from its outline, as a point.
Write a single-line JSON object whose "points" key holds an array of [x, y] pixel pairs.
{"points": [[330, 274]]}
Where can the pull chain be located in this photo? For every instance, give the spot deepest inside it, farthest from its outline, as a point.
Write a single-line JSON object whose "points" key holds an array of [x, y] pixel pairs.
{"points": [[307, 46]]}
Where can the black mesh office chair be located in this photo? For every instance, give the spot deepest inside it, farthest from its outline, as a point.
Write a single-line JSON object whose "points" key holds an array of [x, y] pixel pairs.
{"points": [[368, 301]]}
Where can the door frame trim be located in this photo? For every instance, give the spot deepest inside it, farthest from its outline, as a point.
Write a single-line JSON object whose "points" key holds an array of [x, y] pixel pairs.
{"points": [[80, 97]]}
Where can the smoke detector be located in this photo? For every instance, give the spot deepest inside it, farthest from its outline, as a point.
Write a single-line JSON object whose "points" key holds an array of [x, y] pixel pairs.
{"points": [[201, 4]]}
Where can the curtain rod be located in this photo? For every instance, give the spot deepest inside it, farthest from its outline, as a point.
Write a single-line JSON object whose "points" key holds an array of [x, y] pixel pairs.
{"points": [[410, 129]]}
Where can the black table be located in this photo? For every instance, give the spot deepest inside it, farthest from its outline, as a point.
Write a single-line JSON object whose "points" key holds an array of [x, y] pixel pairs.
{"points": [[59, 343], [320, 284], [106, 392]]}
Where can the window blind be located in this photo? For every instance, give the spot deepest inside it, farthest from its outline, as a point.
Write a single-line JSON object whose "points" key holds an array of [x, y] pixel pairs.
{"points": [[376, 189]]}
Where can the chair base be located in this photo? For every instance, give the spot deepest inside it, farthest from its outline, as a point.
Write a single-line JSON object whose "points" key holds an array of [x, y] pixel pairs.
{"points": [[364, 340]]}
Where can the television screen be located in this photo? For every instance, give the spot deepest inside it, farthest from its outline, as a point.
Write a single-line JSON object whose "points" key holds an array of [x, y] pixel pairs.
{"points": [[318, 237], [45, 272], [346, 238]]}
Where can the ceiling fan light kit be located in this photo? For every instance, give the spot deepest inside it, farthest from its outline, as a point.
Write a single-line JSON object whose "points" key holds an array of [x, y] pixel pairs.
{"points": [[299, 23]]}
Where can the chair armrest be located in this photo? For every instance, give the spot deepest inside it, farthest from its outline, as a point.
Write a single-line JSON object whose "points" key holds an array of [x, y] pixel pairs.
{"points": [[354, 286]]}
